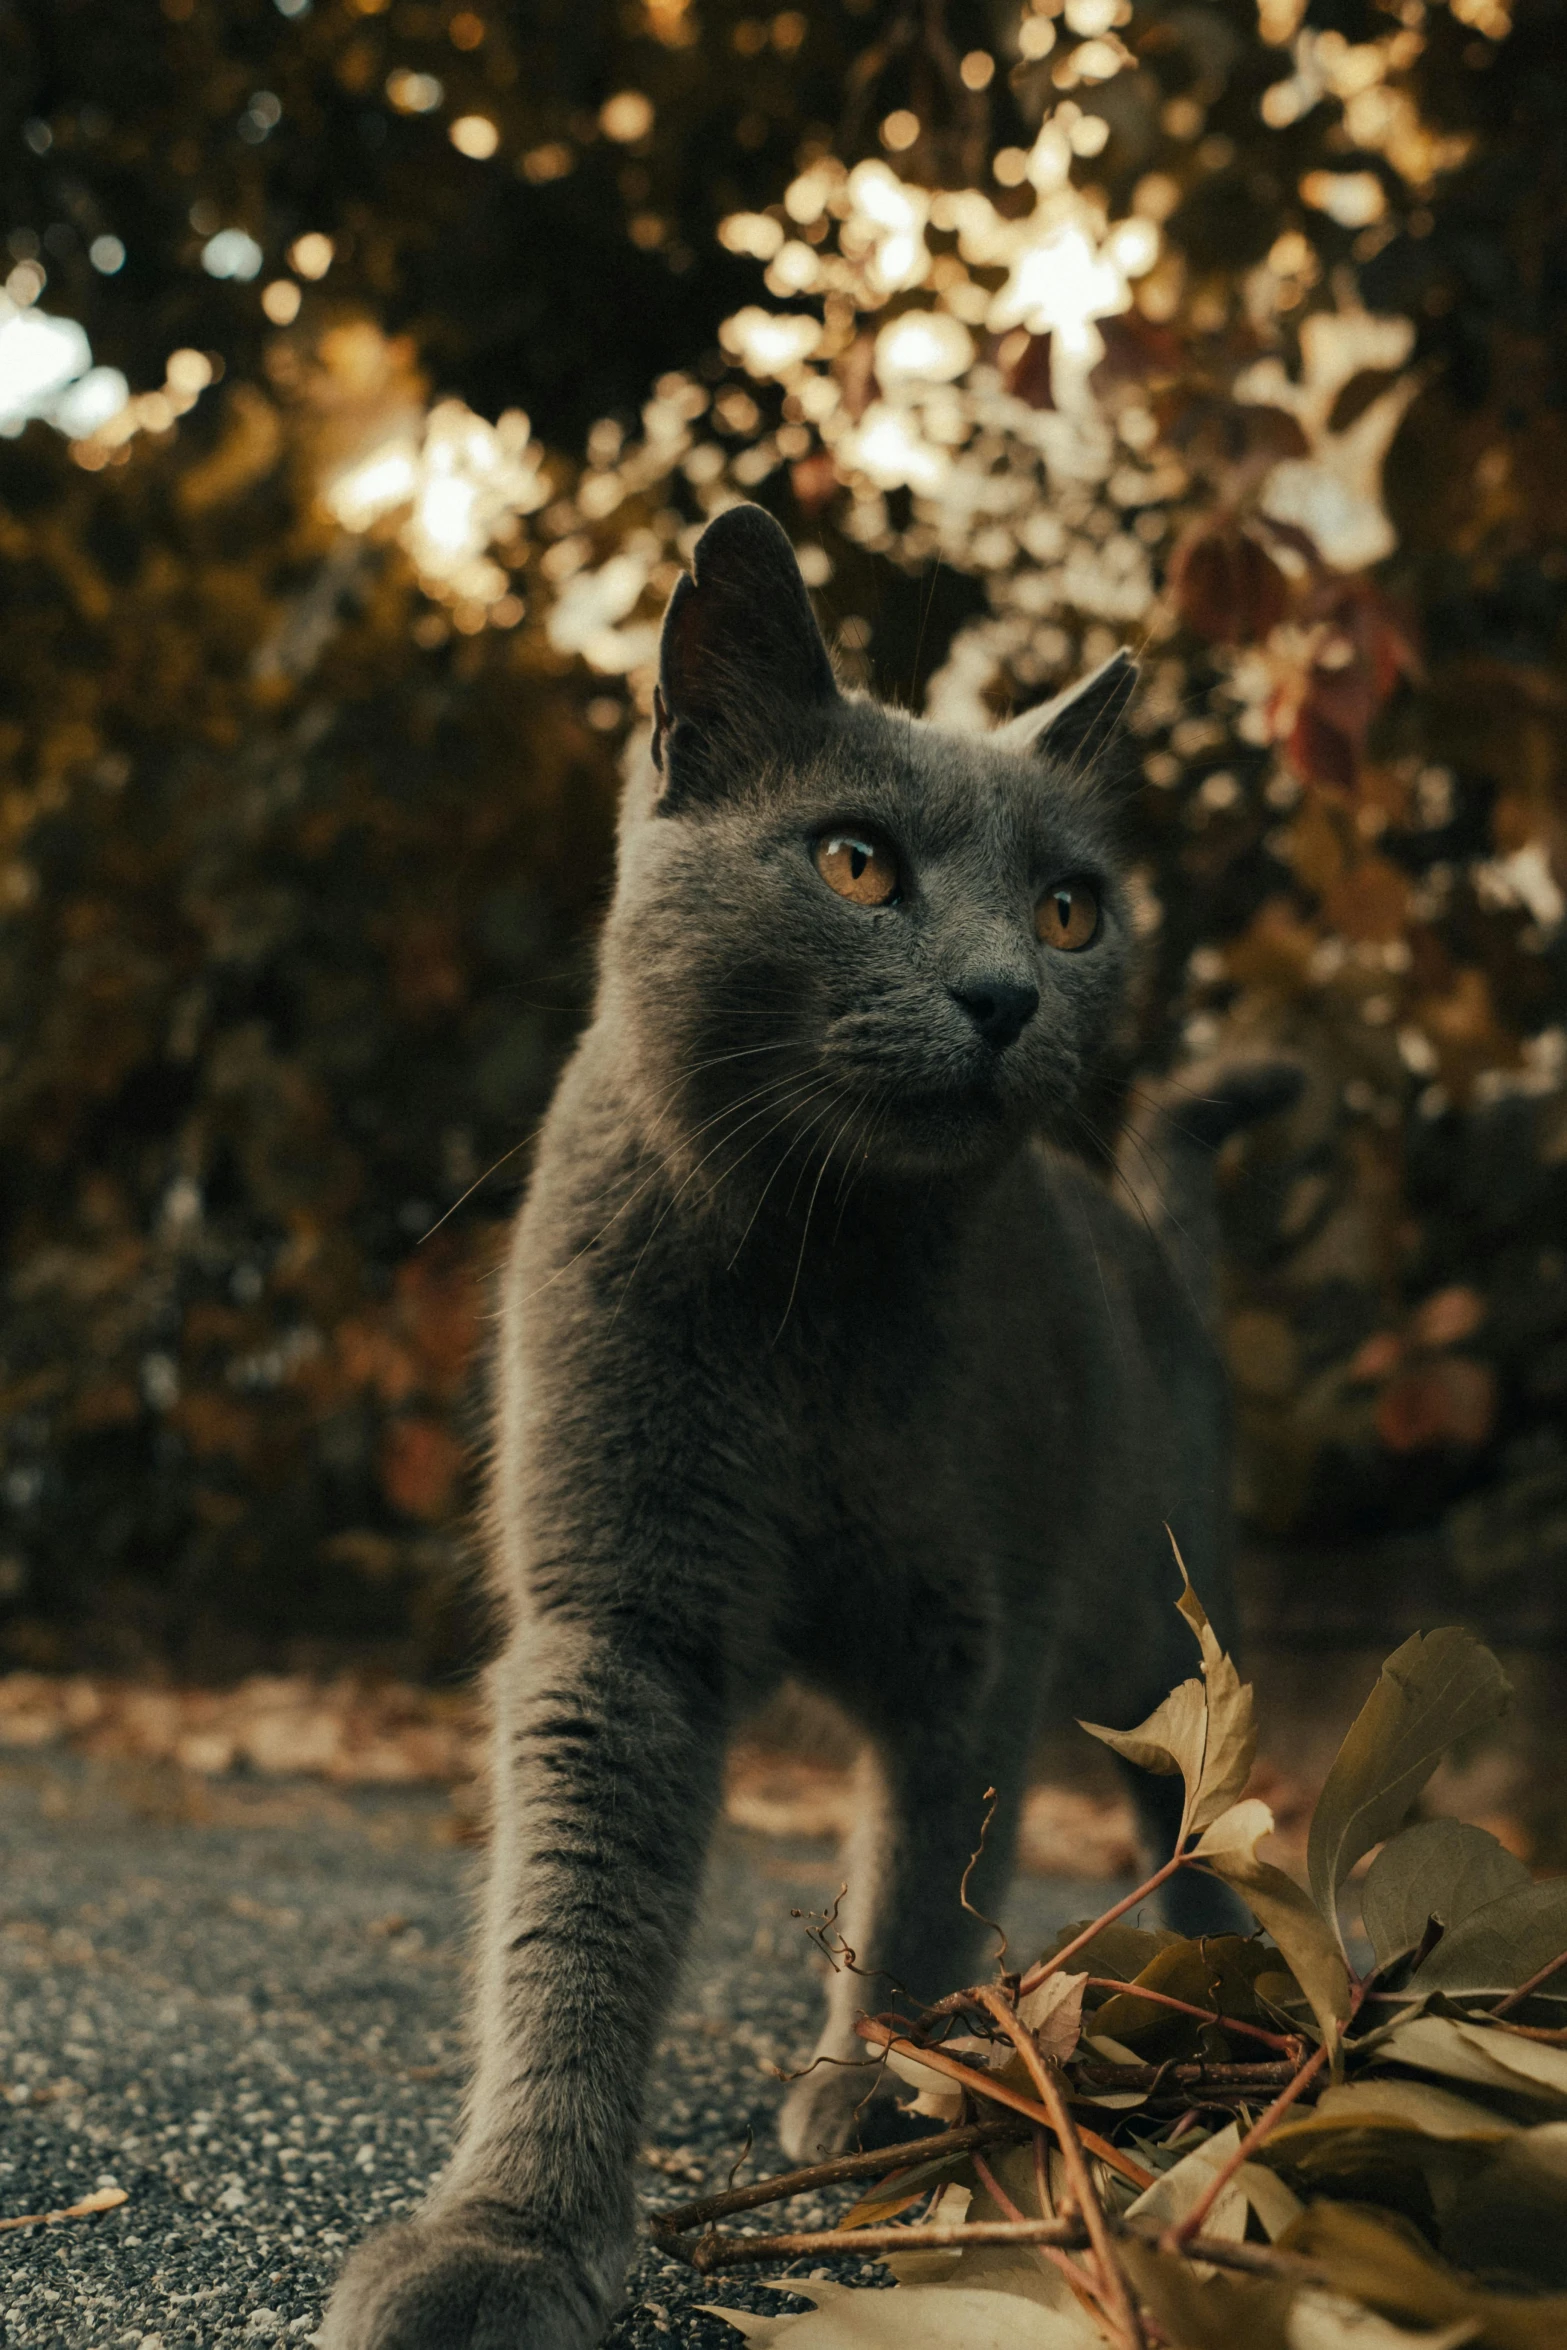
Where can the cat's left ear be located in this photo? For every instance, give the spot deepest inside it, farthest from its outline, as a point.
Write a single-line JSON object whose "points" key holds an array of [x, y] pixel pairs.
{"points": [[740, 652], [1080, 727]]}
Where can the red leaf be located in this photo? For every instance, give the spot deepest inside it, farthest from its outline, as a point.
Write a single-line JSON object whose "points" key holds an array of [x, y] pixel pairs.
{"points": [[814, 481], [420, 1466], [1227, 587], [1028, 376], [1449, 1401]]}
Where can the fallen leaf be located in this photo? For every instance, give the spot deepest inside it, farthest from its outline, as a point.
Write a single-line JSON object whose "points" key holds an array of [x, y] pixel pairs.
{"points": [[1443, 1869], [1491, 2058], [1053, 2012], [1511, 2218], [901, 2189], [1182, 2186], [1218, 1972], [910, 2317], [1303, 1935], [1397, 2105], [1216, 2313], [1325, 2321], [1383, 2263], [1435, 1689]]}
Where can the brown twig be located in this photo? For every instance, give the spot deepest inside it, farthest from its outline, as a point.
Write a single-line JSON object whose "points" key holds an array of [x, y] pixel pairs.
{"points": [[1543, 1975], [1053, 1965], [1261, 2260], [982, 2084], [1177, 2238], [1114, 2290], [713, 2251], [1174, 2238], [1051, 2255], [106, 2199], [706, 2253], [877, 2163], [1207, 2015], [1228, 2077]]}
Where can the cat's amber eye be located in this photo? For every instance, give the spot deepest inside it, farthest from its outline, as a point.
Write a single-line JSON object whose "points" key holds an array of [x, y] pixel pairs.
{"points": [[858, 868], [1068, 916]]}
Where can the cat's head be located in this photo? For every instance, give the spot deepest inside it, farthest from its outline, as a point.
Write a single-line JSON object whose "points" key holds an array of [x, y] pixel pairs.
{"points": [[841, 932]]}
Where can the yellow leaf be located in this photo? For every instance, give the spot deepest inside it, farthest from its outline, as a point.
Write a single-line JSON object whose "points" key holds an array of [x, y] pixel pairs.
{"points": [[1053, 2012], [1308, 1943]]}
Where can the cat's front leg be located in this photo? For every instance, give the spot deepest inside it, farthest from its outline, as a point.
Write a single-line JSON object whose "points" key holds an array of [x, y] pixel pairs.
{"points": [[607, 1766], [906, 1934]]}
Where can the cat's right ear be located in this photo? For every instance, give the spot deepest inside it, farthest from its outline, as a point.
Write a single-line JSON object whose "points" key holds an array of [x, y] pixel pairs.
{"points": [[740, 650]]}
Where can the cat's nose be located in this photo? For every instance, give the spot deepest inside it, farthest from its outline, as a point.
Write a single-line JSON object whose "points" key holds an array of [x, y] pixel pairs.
{"points": [[999, 1008]]}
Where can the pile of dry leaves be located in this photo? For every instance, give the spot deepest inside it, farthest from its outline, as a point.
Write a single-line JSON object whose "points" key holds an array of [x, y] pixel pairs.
{"points": [[1306, 2139]]}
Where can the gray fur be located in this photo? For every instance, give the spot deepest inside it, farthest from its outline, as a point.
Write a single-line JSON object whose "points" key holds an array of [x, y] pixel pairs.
{"points": [[821, 1355]]}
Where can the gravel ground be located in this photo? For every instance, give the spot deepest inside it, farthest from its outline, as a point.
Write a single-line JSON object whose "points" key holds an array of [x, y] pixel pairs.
{"points": [[241, 2004]]}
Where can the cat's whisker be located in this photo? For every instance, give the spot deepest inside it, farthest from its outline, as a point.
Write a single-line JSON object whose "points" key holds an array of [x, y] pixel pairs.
{"points": [[790, 1105], [805, 1230], [658, 1169]]}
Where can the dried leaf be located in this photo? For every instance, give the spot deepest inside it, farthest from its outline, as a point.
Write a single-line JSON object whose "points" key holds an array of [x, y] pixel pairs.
{"points": [[1018, 2268], [1302, 1934], [1172, 1739], [1053, 2012], [1435, 1689], [1380, 2262], [1325, 2321], [1232, 1734], [1171, 2197], [1219, 2313], [901, 2189], [1502, 1945], [1204, 1729], [1443, 1869], [1483, 2053], [1397, 2105], [911, 2317], [1511, 2218], [1119, 1950], [1181, 2188], [1217, 1972]]}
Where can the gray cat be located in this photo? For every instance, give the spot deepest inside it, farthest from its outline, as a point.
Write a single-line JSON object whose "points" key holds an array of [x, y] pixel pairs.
{"points": [[821, 1354]]}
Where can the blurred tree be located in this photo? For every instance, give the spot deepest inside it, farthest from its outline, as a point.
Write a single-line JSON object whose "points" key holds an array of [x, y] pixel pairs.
{"points": [[314, 688]]}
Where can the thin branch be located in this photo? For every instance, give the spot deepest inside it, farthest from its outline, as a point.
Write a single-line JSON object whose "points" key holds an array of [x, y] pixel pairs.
{"points": [[878, 2163], [981, 2084], [1206, 2015], [992, 1800], [1178, 2237], [1049, 2255], [1543, 1975], [1088, 2077], [713, 2251], [1053, 1965], [1260, 2260], [105, 2199], [1114, 2289]]}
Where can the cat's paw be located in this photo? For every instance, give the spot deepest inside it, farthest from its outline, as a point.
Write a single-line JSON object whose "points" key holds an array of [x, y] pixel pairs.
{"points": [[828, 2110], [466, 2279]]}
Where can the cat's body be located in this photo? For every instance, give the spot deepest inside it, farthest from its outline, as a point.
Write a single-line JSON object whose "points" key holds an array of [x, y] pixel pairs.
{"points": [[817, 1358]]}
